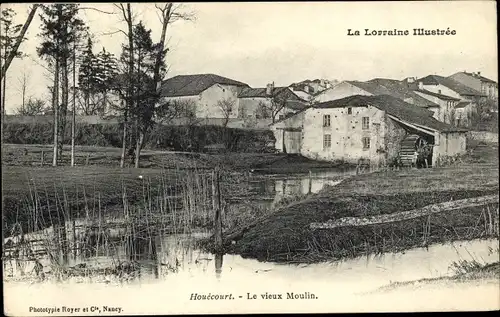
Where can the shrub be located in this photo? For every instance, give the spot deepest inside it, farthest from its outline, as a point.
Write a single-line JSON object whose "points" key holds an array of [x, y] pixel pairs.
{"points": [[179, 138]]}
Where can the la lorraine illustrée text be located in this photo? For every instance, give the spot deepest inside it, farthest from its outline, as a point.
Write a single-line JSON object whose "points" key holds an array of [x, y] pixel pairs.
{"points": [[399, 32]]}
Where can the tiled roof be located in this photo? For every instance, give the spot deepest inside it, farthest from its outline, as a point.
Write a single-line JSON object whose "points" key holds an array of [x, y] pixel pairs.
{"points": [[450, 83], [395, 88], [192, 85], [393, 106], [261, 93], [482, 78], [440, 96]]}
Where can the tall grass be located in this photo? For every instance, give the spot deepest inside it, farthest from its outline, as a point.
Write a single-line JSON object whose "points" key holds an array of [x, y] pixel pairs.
{"points": [[56, 230]]}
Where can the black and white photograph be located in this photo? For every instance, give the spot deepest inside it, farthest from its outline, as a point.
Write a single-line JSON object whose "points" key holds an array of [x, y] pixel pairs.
{"points": [[249, 157]]}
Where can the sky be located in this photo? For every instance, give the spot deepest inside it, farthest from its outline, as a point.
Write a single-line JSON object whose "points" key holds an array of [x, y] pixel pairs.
{"points": [[287, 42]]}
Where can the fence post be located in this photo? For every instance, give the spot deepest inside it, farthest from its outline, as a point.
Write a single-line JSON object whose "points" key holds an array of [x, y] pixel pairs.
{"points": [[43, 158], [216, 202], [310, 182], [87, 159]]}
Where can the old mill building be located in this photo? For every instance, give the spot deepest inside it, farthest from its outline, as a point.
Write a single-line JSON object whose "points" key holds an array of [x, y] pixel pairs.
{"points": [[376, 128]]}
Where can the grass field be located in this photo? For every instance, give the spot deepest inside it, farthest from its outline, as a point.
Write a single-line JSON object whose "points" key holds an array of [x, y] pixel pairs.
{"points": [[31, 156]]}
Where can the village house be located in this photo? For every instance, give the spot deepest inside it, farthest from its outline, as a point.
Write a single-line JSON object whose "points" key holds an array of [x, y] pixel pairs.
{"points": [[470, 97], [447, 106], [480, 83], [374, 87], [200, 94], [378, 129], [311, 87], [269, 102]]}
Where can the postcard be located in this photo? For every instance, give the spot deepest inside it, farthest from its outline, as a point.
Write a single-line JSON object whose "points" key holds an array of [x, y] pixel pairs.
{"points": [[249, 157]]}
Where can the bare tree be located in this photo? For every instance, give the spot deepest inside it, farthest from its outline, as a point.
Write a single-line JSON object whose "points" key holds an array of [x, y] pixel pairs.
{"points": [[177, 109], [33, 107], [126, 13], [271, 107], [168, 13], [23, 86], [227, 107]]}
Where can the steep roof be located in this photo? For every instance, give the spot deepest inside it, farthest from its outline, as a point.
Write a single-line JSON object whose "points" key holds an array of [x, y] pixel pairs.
{"points": [[450, 83], [192, 85], [482, 78], [393, 106], [395, 88], [440, 96]]}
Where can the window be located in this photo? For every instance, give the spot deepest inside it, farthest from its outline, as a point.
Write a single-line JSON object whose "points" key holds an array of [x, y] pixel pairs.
{"points": [[439, 91], [281, 116], [349, 110], [366, 123], [326, 120], [366, 143], [327, 141]]}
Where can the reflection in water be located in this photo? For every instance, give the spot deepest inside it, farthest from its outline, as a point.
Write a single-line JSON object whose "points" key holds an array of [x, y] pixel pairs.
{"points": [[147, 255], [281, 186], [218, 265]]}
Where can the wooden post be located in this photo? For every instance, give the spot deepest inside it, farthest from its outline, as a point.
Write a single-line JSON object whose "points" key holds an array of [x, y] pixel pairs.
{"points": [[75, 245], [310, 182], [216, 201], [43, 158], [218, 265], [87, 159]]}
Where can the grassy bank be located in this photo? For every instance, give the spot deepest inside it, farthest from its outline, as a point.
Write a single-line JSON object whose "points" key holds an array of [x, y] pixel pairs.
{"points": [[285, 235], [466, 272], [31, 156]]}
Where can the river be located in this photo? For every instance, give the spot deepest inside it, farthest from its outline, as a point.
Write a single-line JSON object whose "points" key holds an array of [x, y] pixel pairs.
{"points": [[171, 272]]}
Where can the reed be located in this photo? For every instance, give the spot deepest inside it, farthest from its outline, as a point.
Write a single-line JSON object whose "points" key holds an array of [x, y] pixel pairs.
{"points": [[65, 234]]}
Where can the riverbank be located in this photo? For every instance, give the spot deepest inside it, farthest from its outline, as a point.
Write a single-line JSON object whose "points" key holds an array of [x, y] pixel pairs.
{"points": [[286, 235]]}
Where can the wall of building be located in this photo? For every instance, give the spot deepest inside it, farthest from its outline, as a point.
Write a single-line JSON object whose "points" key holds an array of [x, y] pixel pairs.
{"points": [[295, 122], [440, 89], [208, 107], [339, 91], [490, 89], [394, 135], [444, 112], [449, 144], [248, 108], [346, 134], [205, 103]]}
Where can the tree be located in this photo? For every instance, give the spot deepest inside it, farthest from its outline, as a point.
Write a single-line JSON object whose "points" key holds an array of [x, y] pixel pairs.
{"points": [[105, 72], [227, 107], [87, 76], [23, 86], [275, 102], [61, 29], [14, 47], [126, 78], [33, 107], [9, 35], [145, 66]]}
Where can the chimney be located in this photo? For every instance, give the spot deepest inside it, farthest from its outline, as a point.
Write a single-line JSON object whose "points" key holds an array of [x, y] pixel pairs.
{"points": [[420, 85], [411, 80], [269, 89], [479, 73]]}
